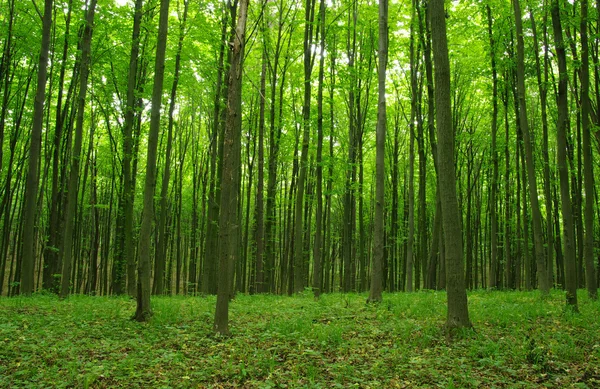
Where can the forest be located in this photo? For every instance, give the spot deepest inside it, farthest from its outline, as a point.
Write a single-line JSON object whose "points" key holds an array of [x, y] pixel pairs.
{"points": [[171, 159]]}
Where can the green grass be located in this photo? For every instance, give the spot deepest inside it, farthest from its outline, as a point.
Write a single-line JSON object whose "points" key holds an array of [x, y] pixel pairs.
{"points": [[520, 341]]}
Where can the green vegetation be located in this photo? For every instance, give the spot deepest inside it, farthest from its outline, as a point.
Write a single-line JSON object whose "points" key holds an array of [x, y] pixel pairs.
{"points": [[295, 342]]}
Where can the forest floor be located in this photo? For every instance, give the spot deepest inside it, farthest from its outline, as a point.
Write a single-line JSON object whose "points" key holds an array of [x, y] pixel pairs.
{"points": [[520, 341]]}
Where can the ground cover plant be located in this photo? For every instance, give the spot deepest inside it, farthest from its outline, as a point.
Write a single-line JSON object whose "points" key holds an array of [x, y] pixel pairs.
{"points": [[520, 341]]}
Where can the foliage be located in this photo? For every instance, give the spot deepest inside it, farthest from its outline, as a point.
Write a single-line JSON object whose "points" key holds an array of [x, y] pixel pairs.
{"points": [[277, 342]]}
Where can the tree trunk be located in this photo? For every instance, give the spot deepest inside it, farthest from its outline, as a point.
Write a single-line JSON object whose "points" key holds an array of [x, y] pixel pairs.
{"points": [[561, 145], [160, 254], [494, 184], [259, 235], [588, 173], [31, 188], [458, 314], [230, 180], [542, 277], [379, 223], [143, 310], [71, 206], [318, 243], [298, 226], [543, 91]]}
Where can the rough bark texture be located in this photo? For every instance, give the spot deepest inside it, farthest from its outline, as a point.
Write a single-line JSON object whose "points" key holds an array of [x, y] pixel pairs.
{"points": [[230, 181]]}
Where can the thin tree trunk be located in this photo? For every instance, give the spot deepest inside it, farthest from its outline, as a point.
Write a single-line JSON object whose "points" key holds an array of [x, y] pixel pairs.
{"points": [[160, 256], [298, 226], [318, 243], [543, 91], [588, 172], [494, 184], [143, 310], [533, 192], [71, 207], [31, 188]]}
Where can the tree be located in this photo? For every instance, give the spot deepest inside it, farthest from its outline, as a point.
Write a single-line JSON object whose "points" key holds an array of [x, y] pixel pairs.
{"points": [[318, 243], [458, 313], [228, 218], [536, 215], [561, 145], [160, 257], [378, 253], [144, 311], [31, 188], [125, 252], [588, 173], [309, 18], [75, 159]]}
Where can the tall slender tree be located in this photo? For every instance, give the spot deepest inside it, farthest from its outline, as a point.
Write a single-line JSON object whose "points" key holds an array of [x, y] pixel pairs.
{"points": [[378, 234], [228, 218], [536, 216], [318, 243], [72, 196], [458, 313], [588, 172], [32, 182], [561, 146], [144, 310]]}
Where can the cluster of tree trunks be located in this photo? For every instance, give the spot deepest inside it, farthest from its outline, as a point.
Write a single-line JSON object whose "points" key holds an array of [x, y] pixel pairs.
{"points": [[253, 183]]}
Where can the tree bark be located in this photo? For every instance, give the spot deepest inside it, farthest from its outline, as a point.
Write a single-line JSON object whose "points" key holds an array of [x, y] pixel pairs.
{"points": [[143, 310], [588, 173], [71, 205], [31, 186], [379, 223], [542, 277], [458, 314], [561, 145], [160, 254], [229, 222]]}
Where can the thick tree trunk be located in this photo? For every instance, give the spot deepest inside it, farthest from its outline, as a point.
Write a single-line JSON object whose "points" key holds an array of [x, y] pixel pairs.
{"points": [[561, 145], [458, 314], [229, 218]]}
